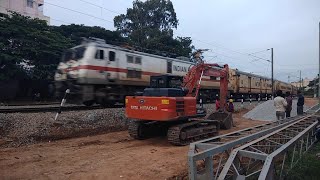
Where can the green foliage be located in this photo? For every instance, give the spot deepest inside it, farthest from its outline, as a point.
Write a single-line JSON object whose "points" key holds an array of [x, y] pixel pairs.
{"points": [[31, 42], [308, 167], [150, 25], [76, 32]]}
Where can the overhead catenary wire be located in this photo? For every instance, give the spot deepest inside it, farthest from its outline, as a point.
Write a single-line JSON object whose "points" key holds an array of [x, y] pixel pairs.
{"points": [[222, 47], [79, 12], [93, 4]]}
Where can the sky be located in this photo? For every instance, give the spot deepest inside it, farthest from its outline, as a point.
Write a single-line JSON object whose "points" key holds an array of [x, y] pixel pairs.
{"points": [[230, 29]]}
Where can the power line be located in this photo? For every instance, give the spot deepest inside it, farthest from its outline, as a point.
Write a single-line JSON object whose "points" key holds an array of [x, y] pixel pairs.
{"points": [[79, 12], [222, 47], [115, 12]]}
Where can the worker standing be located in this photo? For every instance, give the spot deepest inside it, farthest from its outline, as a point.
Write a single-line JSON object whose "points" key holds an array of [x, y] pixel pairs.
{"points": [[280, 103], [300, 103], [289, 102], [230, 106]]}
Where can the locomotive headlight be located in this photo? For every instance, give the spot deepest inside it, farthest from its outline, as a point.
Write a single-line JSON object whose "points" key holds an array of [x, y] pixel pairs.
{"points": [[165, 101], [127, 101]]}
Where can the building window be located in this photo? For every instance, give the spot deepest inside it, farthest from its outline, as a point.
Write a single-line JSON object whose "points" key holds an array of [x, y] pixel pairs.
{"points": [[241, 81], [138, 60], [134, 74], [129, 59], [112, 56], [99, 54], [30, 3]]}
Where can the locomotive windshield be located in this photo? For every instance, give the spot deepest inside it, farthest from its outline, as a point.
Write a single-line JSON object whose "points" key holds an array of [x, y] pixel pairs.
{"points": [[74, 54]]}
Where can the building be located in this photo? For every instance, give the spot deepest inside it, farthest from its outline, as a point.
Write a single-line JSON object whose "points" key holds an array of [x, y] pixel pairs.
{"points": [[303, 83], [32, 8]]}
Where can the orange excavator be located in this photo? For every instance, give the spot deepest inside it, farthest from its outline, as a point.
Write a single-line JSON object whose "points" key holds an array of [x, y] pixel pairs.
{"points": [[171, 107]]}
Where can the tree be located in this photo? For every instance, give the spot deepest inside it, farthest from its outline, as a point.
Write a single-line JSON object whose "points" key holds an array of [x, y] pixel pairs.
{"points": [[150, 25], [77, 32], [27, 42]]}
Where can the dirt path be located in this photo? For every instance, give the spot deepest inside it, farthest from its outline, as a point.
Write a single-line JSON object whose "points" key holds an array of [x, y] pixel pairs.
{"points": [[108, 156]]}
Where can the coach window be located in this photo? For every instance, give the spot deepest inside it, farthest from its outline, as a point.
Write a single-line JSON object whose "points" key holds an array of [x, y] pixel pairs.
{"points": [[129, 59], [99, 54], [112, 56]]}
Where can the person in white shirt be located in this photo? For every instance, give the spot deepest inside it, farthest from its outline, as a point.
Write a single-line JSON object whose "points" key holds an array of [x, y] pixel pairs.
{"points": [[280, 103]]}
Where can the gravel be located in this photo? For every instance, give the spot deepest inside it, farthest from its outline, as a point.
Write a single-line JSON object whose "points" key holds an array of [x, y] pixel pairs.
{"points": [[266, 111], [18, 129], [27, 128]]}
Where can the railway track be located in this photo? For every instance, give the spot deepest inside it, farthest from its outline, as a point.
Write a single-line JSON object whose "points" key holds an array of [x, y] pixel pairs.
{"points": [[48, 108], [54, 107]]}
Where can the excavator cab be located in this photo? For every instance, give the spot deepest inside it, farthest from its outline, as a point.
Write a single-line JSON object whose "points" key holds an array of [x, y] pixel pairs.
{"points": [[165, 85]]}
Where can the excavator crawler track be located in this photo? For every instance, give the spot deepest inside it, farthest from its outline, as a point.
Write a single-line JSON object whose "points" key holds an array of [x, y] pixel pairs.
{"points": [[184, 134], [137, 130]]}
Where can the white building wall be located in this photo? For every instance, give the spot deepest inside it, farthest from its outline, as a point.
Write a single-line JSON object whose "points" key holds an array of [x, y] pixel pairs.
{"points": [[21, 6]]}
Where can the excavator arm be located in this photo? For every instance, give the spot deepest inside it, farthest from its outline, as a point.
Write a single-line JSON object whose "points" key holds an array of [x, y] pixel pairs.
{"points": [[192, 80]]}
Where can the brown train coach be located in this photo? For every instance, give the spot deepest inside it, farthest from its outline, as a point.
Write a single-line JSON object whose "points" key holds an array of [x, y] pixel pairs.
{"points": [[246, 85]]}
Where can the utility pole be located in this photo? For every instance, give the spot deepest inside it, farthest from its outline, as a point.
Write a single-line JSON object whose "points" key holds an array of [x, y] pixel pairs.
{"points": [[272, 90], [319, 68], [300, 80], [315, 87], [289, 79]]}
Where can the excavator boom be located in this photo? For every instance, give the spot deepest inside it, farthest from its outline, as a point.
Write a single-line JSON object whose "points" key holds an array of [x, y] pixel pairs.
{"points": [[192, 81]]}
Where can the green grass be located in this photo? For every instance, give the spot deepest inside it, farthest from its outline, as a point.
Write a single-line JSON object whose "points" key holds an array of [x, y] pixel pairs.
{"points": [[309, 166]]}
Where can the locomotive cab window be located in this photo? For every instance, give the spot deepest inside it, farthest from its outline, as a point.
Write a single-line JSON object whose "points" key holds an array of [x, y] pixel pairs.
{"points": [[112, 56], [99, 54]]}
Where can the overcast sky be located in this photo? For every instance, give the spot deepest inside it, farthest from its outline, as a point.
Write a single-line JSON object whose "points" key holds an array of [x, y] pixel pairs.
{"points": [[231, 29]]}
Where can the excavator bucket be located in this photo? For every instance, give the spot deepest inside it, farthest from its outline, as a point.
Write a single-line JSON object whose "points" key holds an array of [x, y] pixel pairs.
{"points": [[225, 119]]}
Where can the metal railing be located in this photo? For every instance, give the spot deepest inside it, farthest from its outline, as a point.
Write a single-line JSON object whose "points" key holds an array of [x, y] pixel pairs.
{"points": [[206, 158], [262, 158]]}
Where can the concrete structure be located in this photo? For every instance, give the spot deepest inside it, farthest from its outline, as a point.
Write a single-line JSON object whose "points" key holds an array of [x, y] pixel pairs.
{"points": [[32, 8], [304, 83]]}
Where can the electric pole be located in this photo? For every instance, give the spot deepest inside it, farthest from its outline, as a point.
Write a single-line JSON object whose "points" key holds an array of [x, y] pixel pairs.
{"points": [[272, 73], [319, 68], [289, 79], [315, 87], [300, 80]]}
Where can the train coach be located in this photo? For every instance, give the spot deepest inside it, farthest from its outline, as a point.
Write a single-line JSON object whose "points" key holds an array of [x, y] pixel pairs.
{"points": [[97, 72]]}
